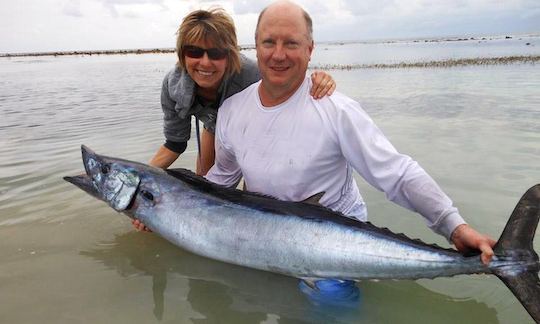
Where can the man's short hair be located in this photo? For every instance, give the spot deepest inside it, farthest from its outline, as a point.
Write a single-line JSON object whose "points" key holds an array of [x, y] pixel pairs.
{"points": [[307, 19]]}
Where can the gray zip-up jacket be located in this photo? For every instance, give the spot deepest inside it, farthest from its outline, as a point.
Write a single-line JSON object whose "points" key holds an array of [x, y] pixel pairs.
{"points": [[179, 104]]}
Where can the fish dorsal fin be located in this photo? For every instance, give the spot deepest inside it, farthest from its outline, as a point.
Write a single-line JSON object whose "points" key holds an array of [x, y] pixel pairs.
{"points": [[314, 200], [267, 203]]}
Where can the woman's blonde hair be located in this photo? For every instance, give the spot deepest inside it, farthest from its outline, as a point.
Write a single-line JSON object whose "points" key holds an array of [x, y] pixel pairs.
{"points": [[214, 26]]}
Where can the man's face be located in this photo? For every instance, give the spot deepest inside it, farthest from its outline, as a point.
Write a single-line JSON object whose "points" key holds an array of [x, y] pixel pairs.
{"points": [[283, 49]]}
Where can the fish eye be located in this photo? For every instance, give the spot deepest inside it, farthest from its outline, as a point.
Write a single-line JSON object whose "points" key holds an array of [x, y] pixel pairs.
{"points": [[147, 195], [105, 168]]}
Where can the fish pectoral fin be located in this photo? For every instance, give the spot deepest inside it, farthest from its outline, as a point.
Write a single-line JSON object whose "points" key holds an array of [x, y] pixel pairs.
{"points": [[314, 200], [310, 282]]}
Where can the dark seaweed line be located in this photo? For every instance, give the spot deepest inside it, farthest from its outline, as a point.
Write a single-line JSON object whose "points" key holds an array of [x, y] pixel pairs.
{"points": [[104, 52], [530, 59]]}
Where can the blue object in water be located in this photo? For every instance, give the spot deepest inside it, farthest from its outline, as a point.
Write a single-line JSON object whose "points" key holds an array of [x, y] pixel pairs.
{"points": [[332, 292]]}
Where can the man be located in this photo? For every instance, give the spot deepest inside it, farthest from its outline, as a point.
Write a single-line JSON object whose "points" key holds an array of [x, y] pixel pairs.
{"points": [[291, 147]]}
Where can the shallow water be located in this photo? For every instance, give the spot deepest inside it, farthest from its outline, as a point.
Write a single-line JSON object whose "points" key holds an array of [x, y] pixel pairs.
{"points": [[67, 257]]}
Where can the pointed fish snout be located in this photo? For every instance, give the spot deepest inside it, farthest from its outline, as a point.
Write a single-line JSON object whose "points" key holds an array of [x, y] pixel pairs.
{"points": [[107, 180]]}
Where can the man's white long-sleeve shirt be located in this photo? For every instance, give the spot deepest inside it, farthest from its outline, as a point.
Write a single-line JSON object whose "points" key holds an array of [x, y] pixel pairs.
{"points": [[304, 146]]}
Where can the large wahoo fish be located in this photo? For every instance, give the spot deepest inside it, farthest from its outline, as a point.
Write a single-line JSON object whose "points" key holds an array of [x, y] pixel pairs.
{"points": [[300, 239]]}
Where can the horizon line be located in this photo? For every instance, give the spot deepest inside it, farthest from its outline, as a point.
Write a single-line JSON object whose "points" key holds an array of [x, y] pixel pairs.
{"points": [[167, 50]]}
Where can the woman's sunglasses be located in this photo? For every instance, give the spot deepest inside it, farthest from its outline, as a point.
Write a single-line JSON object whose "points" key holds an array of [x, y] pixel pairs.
{"points": [[197, 52]]}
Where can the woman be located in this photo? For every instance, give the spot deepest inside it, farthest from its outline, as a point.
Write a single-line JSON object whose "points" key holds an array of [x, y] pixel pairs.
{"points": [[210, 69]]}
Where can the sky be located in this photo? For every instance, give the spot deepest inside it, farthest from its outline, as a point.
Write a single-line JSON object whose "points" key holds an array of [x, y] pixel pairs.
{"points": [[66, 25]]}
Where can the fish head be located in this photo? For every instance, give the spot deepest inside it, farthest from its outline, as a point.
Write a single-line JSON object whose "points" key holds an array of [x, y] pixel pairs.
{"points": [[126, 186]]}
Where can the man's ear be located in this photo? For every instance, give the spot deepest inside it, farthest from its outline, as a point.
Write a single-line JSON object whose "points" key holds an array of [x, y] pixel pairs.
{"points": [[311, 47]]}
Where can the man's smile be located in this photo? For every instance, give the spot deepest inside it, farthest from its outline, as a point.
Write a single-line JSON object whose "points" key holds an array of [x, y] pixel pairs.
{"points": [[280, 68]]}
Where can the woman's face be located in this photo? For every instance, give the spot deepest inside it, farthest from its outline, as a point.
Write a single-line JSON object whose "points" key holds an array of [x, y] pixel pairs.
{"points": [[205, 71]]}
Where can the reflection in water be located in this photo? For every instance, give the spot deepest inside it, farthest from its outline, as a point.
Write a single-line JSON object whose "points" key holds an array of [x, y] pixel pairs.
{"points": [[230, 294]]}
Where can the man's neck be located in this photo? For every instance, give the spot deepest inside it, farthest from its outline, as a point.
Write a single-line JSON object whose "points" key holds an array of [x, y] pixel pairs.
{"points": [[273, 96]]}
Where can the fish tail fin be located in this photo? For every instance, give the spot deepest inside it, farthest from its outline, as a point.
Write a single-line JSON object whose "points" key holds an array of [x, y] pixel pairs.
{"points": [[520, 273], [526, 288]]}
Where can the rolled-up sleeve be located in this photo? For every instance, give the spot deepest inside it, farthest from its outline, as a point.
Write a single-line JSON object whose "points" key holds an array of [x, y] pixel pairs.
{"points": [[175, 128]]}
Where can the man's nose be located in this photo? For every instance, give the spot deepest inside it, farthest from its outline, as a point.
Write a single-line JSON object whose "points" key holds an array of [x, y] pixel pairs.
{"points": [[279, 53]]}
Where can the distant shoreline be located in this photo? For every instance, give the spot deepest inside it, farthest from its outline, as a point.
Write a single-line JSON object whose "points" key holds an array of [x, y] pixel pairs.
{"points": [[442, 63], [251, 47], [103, 52]]}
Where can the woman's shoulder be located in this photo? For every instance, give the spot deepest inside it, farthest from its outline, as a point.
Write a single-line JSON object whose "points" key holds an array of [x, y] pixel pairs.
{"points": [[174, 74], [178, 84], [249, 72], [248, 64]]}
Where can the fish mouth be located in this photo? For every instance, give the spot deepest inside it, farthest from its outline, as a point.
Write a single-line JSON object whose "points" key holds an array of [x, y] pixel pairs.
{"points": [[84, 182], [107, 179]]}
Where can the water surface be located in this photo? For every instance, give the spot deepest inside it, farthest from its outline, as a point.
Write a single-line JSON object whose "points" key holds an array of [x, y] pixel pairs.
{"points": [[68, 258]]}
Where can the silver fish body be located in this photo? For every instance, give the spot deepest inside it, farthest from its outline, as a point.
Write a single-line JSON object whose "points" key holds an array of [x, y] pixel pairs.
{"points": [[299, 239], [303, 247]]}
